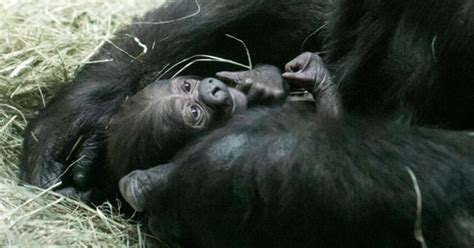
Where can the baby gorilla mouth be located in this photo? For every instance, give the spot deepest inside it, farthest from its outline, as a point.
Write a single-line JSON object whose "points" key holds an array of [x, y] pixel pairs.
{"points": [[215, 90]]}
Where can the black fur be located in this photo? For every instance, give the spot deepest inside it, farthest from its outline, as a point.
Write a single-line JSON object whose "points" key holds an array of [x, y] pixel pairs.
{"points": [[411, 61], [284, 177], [402, 60]]}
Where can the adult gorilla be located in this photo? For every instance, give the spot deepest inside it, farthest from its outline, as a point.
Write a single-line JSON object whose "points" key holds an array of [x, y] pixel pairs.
{"points": [[286, 176], [401, 60]]}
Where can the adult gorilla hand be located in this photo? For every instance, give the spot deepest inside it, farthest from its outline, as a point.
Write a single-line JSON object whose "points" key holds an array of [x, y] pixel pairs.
{"points": [[262, 85], [62, 144], [309, 72]]}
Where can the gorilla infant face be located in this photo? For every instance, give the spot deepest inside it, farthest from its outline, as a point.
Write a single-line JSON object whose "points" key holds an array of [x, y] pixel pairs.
{"points": [[196, 103]]}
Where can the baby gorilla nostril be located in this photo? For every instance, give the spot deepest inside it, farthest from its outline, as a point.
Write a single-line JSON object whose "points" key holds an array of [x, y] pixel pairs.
{"points": [[214, 93]]}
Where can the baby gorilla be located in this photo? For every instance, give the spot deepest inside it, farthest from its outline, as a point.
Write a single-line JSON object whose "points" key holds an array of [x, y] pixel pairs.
{"points": [[158, 121], [155, 123]]}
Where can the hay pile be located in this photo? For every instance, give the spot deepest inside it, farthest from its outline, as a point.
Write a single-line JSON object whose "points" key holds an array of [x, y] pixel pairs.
{"points": [[42, 45]]}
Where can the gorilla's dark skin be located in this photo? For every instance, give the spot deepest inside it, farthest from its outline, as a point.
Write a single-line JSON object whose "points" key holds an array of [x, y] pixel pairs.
{"points": [[293, 175]]}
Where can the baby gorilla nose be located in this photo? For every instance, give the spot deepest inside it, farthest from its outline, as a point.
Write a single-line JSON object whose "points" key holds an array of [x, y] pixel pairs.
{"points": [[214, 93]]}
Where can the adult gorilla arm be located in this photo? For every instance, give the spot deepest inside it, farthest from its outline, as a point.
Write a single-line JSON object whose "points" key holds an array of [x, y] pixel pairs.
{"points": [[284, 176], [84, 108]]}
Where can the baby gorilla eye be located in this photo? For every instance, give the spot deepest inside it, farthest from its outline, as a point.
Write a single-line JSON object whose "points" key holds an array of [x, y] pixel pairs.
{"points": [[195, 112], [187, 86]]}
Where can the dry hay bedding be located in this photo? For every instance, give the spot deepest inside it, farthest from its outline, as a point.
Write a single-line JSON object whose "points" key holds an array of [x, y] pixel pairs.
{"points": [[43, 44]]}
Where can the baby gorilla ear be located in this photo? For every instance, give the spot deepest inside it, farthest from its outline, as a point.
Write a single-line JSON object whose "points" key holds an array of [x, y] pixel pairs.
{"points": [[135, 186]]}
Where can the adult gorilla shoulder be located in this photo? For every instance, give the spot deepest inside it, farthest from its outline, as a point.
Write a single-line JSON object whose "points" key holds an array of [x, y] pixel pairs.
{"points": [[86, 106]]}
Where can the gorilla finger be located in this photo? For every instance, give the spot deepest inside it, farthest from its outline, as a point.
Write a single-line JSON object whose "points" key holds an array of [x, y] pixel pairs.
{"points": [[132, 190], [298, 63], [245, 88], [293, 66], [237, 77], [91, 196], [226, 76], [292, 76], [300, 79], [53, 174], [69, 192], [314, 57], [81, 172], [86, 155]]}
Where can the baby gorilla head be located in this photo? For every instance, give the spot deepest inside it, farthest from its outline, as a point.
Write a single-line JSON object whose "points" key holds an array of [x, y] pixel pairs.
{"points": [[191, 103], [156, 122]]}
